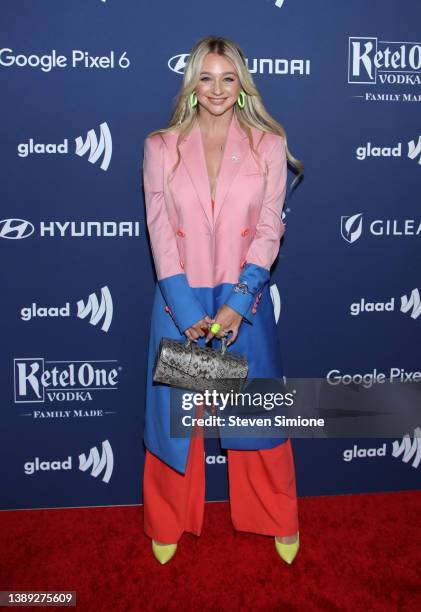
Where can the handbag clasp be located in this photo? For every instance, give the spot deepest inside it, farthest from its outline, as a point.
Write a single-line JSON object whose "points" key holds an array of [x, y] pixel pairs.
{"points": [[224, 341]]}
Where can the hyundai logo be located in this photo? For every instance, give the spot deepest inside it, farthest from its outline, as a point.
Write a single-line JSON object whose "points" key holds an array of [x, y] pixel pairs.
{"points": [[15, 229], [177, 63]]}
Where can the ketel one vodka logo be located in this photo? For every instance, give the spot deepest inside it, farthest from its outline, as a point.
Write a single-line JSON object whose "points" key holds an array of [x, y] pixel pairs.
{"points": [[372, 61], [95, 464], [98, 313], [97, 150], [38, 380]]}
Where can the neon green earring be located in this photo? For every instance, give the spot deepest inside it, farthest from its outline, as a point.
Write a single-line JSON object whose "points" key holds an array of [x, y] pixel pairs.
{"points": [[193, 99], [241, 100]]}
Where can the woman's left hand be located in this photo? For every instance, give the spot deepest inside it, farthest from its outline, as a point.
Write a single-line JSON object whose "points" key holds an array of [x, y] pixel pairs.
{"points": [[229, 320]]}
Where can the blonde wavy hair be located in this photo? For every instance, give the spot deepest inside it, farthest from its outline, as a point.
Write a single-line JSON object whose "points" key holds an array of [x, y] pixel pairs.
{"points": [[254, 113]]}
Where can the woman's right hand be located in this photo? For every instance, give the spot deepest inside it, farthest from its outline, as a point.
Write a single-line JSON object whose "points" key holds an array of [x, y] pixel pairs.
{"points": [[195, 331]]}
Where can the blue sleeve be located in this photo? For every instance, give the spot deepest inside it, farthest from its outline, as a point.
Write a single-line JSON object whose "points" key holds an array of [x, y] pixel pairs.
{"points": [[184, 306], [255, 277]]}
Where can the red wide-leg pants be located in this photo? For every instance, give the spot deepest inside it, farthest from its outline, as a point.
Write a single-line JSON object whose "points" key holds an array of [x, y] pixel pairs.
{"points": [[262, 491]]}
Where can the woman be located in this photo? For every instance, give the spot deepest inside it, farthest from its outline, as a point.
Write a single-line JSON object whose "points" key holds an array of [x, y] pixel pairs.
{"points": [[215, 183]]}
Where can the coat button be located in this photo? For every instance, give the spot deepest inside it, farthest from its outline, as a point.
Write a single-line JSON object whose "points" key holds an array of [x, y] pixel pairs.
{"points": [[181, 263], [180, 233], [245, 232]]}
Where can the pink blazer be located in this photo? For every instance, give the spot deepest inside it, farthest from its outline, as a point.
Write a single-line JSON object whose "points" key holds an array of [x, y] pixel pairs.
{"points": [[237, 242]]}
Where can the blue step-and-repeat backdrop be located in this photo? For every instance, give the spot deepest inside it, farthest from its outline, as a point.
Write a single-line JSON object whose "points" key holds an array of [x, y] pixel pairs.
{"points": [[83, 82]]}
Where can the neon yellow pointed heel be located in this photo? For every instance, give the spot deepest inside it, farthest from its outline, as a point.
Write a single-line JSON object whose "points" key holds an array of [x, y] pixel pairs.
{"points": [[163, 552], [288, 552]]}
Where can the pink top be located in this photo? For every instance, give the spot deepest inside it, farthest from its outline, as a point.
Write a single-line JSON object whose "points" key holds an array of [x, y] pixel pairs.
{"points": [[213, 204]]}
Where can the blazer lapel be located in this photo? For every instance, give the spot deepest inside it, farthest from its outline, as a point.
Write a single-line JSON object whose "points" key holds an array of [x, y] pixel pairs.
{"points": [[193, 156]]}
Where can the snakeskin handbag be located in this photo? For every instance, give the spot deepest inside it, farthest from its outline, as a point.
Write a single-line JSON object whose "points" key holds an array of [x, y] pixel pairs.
{"points": [[199, 368]]}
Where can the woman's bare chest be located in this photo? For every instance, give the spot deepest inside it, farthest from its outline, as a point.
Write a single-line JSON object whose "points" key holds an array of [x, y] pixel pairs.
{"points": [[213, 152]]}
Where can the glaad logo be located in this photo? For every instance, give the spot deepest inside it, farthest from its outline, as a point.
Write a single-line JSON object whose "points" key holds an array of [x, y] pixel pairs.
{"points": [[414, 151], [215, 459], [358, 453], [411, 304], [370, 150], [351, 227], [409, 450], [37, 380], [379, 62], [97, 310], [276, 300], [20, 228], [96, 149], [266, 65], [15, 229], [99, 464]]}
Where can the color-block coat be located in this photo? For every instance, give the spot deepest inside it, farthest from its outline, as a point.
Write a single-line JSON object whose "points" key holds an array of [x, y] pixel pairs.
{"points": [[201, 255]]}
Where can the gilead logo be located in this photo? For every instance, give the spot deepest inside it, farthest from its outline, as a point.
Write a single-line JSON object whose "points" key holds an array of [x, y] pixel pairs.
{"points": [[358, 453], [352, 227]]}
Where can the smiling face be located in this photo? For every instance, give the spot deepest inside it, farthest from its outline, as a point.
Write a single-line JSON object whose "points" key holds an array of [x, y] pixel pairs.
{"points": [[219, 85]]}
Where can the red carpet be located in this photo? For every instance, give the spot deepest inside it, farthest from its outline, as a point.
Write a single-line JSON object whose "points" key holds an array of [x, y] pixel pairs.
{"points": [[358, 552]]}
